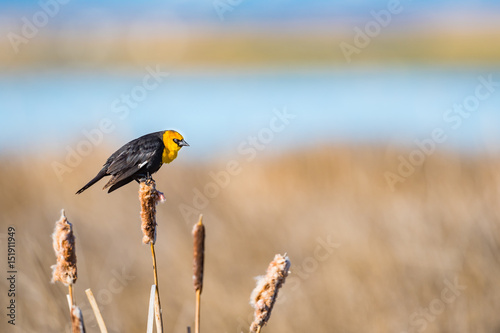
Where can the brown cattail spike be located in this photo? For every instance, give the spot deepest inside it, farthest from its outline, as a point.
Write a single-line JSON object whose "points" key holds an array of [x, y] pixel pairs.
{"points": [[266, 292], [64, 246], [198, 262], [199, 254], [149, 197], [77, 320]]}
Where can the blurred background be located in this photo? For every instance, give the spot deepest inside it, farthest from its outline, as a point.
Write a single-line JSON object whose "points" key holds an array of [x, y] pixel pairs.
{"points": [[359, 137]]}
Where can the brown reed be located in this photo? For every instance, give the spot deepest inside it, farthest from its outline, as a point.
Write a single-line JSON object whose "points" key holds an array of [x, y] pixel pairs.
{"points": [[77, 320], [63, 242], [265, 293], [198, 262]]}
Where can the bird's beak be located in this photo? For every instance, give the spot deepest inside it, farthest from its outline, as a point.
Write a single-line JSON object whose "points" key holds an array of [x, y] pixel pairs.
{"points": [[183, 143]]}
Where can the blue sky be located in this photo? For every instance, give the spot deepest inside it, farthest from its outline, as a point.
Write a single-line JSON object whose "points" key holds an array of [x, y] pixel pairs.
{"points": [[257, 9]]}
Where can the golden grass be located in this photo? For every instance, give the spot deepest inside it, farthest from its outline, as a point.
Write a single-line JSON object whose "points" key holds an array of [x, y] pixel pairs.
{"points": [[365, 258]]}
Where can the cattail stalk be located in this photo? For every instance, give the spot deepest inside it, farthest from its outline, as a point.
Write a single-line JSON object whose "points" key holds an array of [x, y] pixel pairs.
{"points": [[265, 293], [149, 198], [63, 241], [197, 312], [158, 311], [70, 294], [198, 262]]}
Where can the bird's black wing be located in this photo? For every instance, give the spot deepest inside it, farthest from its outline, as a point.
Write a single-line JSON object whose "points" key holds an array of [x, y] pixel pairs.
{"points": [[133, 157]]}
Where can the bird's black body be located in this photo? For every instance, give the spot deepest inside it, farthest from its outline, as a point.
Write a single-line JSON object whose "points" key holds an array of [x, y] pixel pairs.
{"points": [[136, 160]]}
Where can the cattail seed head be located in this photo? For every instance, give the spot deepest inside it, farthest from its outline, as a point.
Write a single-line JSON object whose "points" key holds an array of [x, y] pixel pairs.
{"points": [[266, 292], [63, 242], [77, 320], [199, 254], [149, 197]]}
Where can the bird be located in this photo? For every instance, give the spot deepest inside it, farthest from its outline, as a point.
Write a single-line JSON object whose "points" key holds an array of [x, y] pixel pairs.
{"points": [[139, 159]]}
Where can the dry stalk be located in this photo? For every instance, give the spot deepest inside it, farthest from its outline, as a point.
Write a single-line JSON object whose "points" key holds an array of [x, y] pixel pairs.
{"points": [[198, 262], [97, 313], [63, 242], [266, 292], [158, 311]]}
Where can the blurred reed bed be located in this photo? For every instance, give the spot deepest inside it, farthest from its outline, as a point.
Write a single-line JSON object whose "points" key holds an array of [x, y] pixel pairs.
{"points": [[393, 250]]}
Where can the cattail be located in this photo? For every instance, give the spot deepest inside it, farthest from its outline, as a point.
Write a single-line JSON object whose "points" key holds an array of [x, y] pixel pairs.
{"points": [[199, 254], [199, 257], [266, 292], [149, 197], [77, 320], [64, 247]]}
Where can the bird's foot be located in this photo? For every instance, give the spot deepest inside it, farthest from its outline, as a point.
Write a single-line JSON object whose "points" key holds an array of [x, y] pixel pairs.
{"points": [[147, 179]]}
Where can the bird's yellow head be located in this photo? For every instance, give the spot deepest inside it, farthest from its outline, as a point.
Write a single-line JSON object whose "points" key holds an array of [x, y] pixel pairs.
{"points": [[173, 142]]}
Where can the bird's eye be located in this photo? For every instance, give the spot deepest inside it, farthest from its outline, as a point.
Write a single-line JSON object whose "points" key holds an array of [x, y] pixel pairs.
{"points": [[177, 141]]}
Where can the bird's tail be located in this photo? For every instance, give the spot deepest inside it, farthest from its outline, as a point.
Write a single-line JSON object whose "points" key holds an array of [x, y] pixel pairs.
{"points": [[101, 174]]}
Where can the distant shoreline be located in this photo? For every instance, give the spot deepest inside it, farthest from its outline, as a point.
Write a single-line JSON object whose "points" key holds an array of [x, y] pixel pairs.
{"points": [[247, 49]]}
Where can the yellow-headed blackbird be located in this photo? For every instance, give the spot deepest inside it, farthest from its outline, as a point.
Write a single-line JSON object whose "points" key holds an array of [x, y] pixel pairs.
{"points": [[139, 159]]}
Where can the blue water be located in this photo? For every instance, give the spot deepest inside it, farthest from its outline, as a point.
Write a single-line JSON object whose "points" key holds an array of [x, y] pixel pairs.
{"points": [[220, 109]]}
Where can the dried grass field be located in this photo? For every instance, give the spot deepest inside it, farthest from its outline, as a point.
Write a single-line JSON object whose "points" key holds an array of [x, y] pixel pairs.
{"points": [[424, 257]]}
